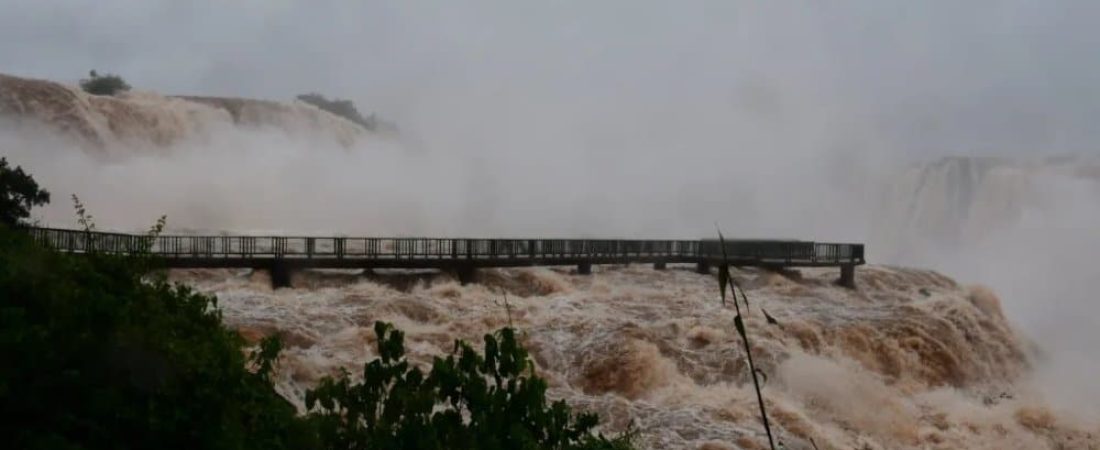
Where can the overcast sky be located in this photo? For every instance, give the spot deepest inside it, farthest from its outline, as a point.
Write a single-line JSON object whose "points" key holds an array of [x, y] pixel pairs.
{"points": [[911, 78]]}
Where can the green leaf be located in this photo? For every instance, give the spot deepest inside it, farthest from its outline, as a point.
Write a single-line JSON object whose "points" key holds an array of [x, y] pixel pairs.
{"points": [[762, 374], [771, 320], [740, 326]]}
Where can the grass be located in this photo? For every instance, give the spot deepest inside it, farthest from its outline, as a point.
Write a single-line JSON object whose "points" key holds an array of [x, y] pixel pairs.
{"points": [[724, 280]]}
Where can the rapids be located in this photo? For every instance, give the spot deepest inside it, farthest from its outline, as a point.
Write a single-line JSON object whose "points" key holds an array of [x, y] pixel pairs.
{"points": [[910, 359]]}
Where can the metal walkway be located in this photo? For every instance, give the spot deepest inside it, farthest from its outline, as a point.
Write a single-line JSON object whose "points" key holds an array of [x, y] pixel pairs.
{"points": [[280, 254]]}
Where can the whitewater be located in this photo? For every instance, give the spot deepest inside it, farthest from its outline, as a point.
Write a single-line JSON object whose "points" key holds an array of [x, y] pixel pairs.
{"points": [[911, 359]]}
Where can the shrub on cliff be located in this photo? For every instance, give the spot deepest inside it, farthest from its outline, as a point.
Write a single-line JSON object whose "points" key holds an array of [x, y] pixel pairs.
{"points": [[108, 84], [342, 108]]}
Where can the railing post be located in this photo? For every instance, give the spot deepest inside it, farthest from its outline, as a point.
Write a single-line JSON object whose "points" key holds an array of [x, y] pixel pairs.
{"points": [[466, 273], [702, 267], [279, 244], [280, 274]]}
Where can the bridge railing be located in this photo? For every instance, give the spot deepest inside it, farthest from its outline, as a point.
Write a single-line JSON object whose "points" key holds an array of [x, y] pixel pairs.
{"points": [[781, 252], [76, 241], [740, 251]]}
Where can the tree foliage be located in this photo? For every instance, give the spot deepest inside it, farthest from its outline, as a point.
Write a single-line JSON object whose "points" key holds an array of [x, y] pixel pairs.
{"points": [[98, 355], [466, 401], [108, 84], [18, 194], [342, 108]]}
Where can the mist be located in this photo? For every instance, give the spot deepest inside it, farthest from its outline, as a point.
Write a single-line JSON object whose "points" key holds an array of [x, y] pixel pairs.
{"points": [[1041, 266], [617, 119]]}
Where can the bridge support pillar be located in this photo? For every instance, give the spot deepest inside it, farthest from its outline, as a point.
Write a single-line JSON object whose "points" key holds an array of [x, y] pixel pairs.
{"points": [[847, 276], [660, 265], [280, 275], [584, 269], [703, 267], [466, 274]]}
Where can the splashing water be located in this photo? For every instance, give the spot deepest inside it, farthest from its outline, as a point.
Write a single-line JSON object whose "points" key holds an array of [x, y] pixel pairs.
{"points": [[909, 360]]}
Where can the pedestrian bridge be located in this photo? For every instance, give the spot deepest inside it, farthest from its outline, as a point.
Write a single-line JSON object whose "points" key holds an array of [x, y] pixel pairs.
{"points": [[283, 254]]}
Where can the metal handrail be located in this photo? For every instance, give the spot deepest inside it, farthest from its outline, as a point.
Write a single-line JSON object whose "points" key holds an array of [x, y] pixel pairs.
{"points": [[388, 248]]}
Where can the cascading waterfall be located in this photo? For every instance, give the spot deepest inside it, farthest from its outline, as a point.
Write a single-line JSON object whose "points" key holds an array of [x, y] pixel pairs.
{"points": [[143, 120], [910, 360]]}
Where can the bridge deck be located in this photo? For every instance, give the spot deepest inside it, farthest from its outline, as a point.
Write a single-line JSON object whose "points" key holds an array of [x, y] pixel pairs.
{"points": [[186, 251]]}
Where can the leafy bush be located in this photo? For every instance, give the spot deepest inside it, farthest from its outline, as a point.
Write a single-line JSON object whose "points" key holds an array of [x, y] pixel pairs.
{"points": [[342, 108], [468, 402], [95, 356], [18, 194], [108, 84]]}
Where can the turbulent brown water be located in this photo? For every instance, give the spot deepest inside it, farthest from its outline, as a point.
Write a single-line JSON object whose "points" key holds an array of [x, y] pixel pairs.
{"points": [[910, 359]]}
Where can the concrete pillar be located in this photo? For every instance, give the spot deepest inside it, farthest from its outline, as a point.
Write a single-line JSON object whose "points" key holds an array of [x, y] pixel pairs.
{"points": [[847, 276], [703, 267], [584, 269], [466, 274], [660, 265], [280, 275]]}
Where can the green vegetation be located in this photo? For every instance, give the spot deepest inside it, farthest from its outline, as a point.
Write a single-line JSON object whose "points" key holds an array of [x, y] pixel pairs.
{"points": [[18, 194], [724, 279], [101, 352], [342, 108], [466, 401], [108, 84], [96, 355]]}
